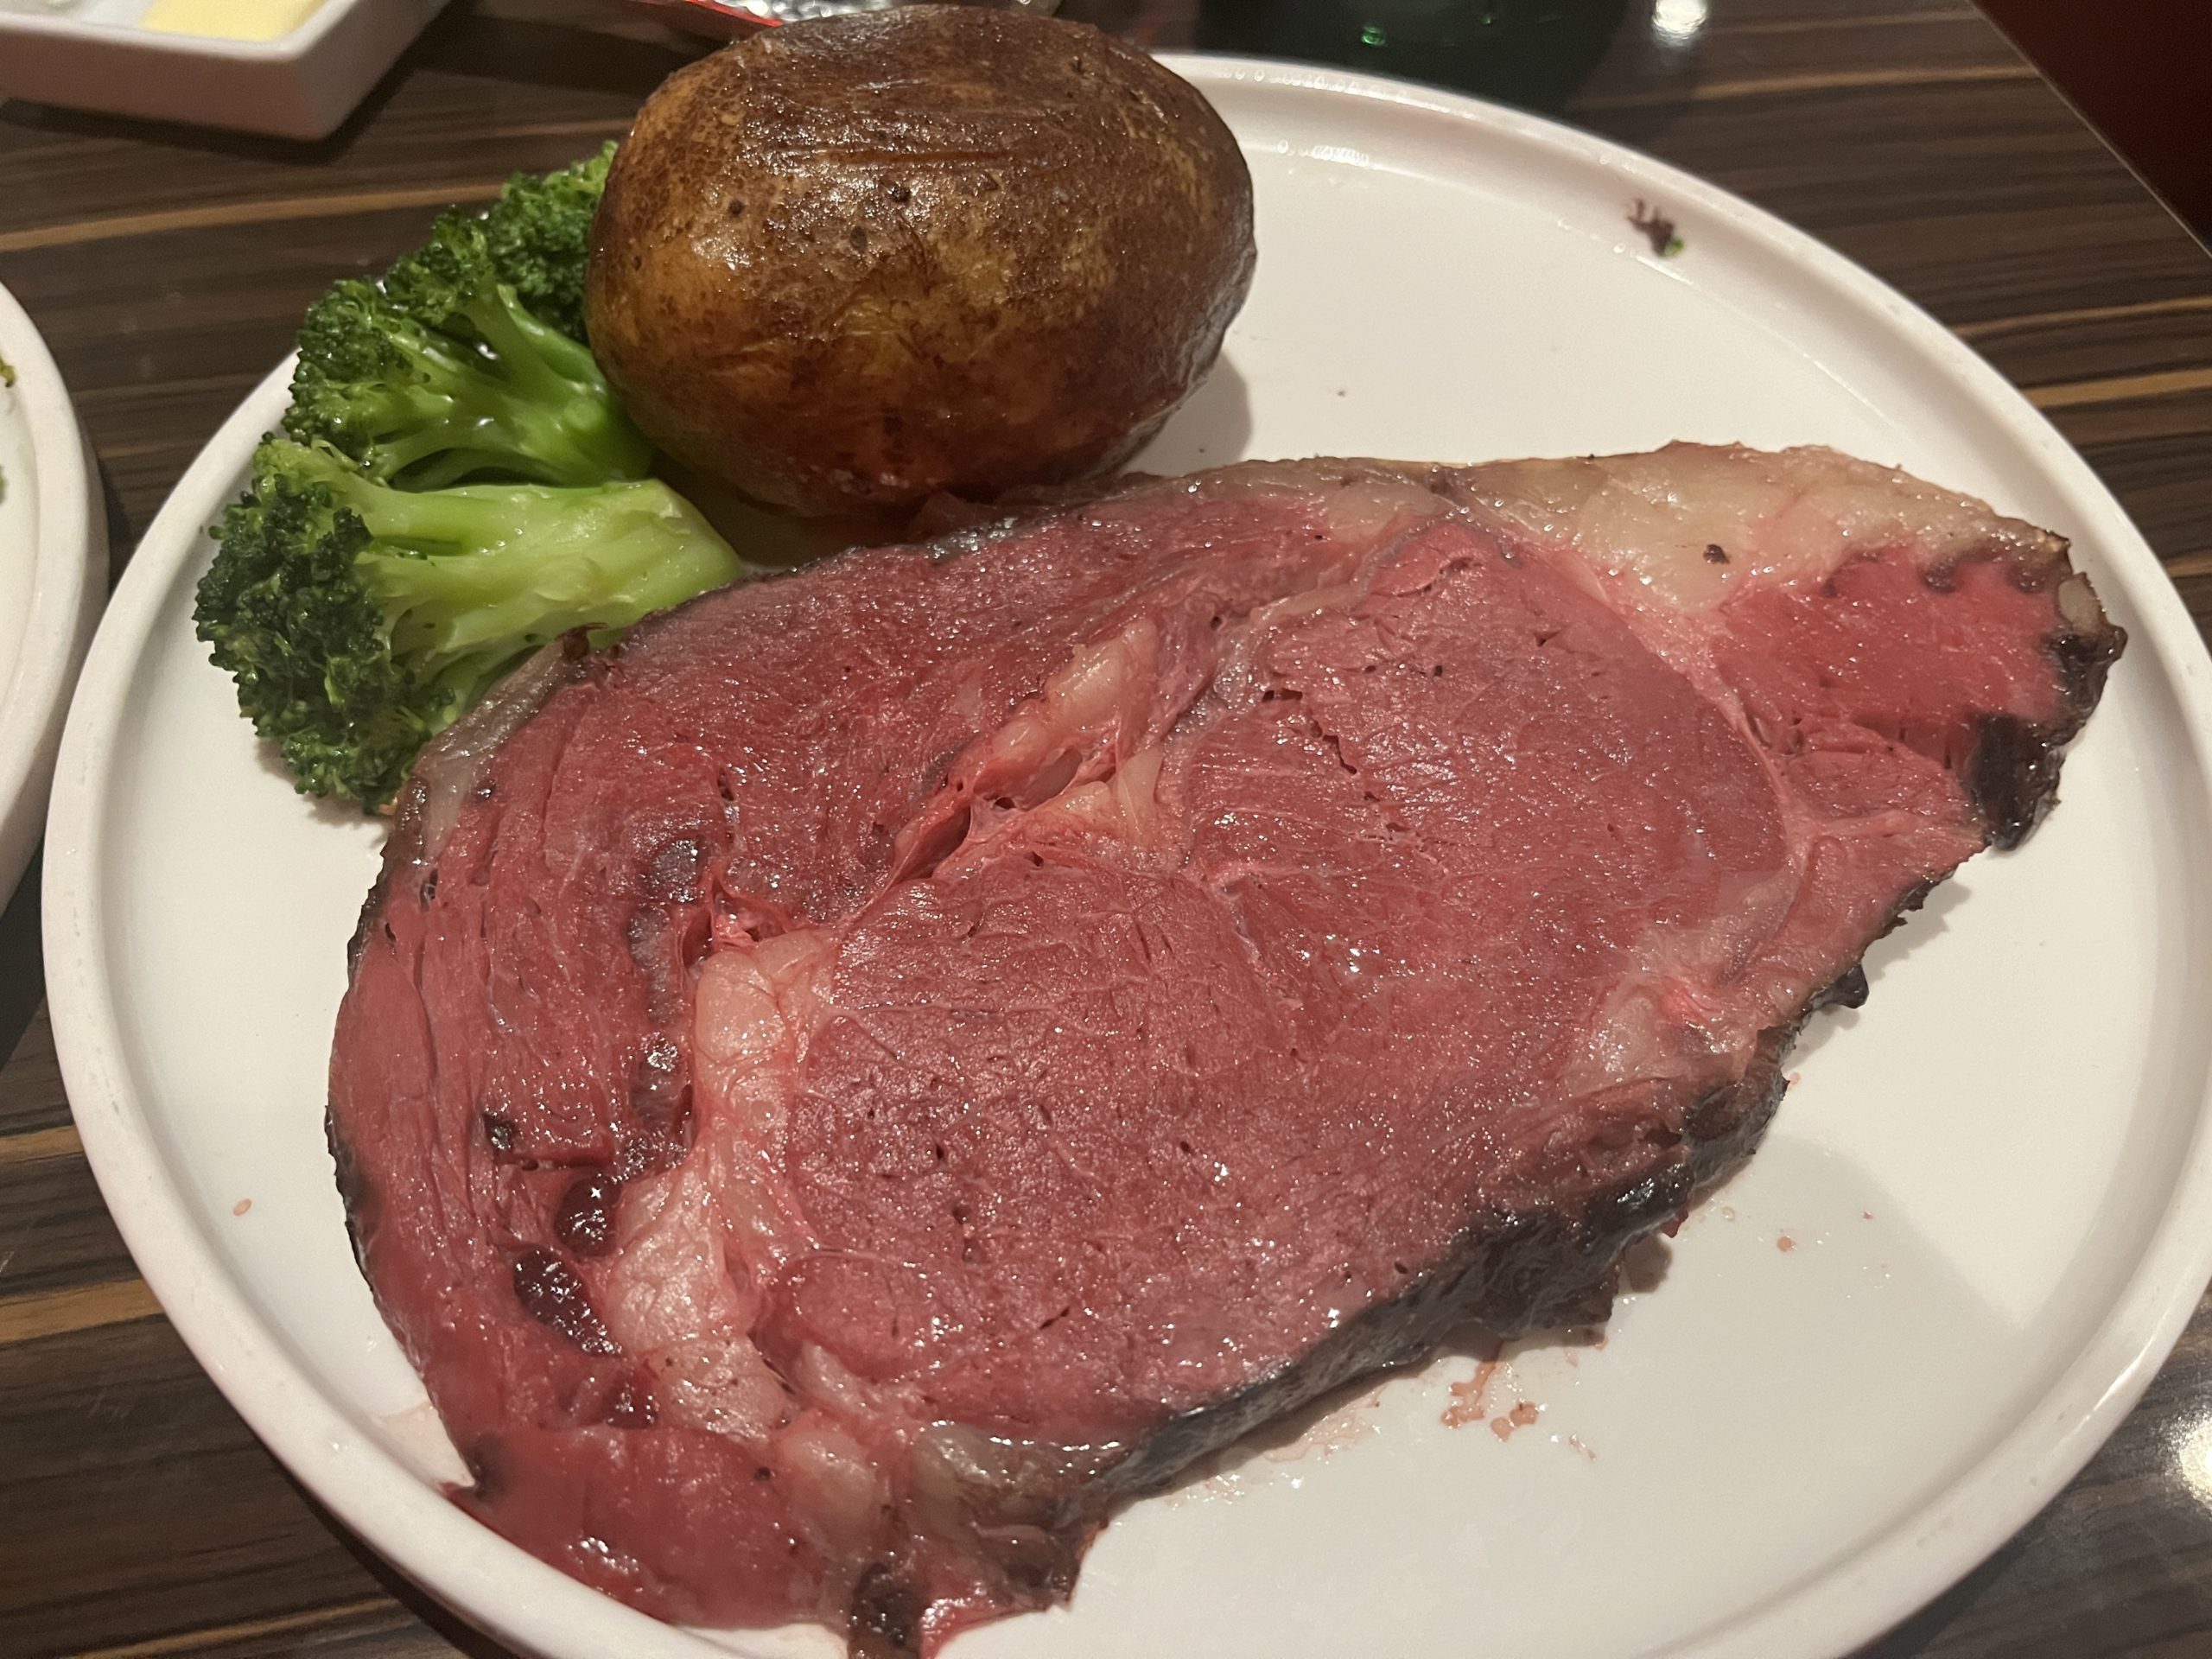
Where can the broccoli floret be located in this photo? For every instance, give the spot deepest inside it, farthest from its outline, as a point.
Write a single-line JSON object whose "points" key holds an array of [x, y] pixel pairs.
{"points": [[540, 235], [438, 374], [360, 620], [364, 594]]}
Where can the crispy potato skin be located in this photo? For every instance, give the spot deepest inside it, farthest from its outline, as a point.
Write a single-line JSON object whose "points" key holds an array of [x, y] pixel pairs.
{"points": [[845, 264]]}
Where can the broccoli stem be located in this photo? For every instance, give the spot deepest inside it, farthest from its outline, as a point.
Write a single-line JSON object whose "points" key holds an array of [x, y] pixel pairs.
{"points": [[439, 374], [471, 579], [536, 405], [542, 364]]}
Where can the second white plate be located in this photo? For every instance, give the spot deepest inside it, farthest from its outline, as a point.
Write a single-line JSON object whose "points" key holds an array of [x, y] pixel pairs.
{"points": [[53, 576], [1977, 1226]]}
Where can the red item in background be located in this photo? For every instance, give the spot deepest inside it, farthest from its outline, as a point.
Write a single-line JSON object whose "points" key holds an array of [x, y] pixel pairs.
{"points": [[2141, 70]]}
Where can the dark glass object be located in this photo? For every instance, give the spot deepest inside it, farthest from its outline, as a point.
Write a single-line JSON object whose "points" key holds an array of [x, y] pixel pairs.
{"points": [[1532, 52]]}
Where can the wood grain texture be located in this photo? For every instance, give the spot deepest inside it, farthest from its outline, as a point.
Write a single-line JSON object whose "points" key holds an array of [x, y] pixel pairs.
{"points": [[169, 267]]}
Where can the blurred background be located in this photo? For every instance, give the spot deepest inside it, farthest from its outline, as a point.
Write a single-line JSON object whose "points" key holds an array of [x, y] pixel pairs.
{"points": [[2140, 70]]}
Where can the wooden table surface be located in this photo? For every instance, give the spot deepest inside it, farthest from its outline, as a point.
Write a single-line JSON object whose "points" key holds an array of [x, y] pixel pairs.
{"points": [[168, 268]]}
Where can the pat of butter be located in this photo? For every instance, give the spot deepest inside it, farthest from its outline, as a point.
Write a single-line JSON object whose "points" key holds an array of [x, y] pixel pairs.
{"points": [[229, 20]]}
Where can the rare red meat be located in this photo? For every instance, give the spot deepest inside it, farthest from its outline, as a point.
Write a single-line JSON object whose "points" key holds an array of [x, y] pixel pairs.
{"points": [[839, 1092]]}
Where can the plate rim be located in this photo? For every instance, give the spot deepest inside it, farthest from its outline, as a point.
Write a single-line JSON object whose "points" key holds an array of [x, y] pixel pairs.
{"points": [[69, 566], [1849, 1600]]}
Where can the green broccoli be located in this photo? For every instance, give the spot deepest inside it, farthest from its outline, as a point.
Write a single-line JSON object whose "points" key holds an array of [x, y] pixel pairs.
{"points": [[439, 374], [540, 233], [375, 580], [359, 619]]}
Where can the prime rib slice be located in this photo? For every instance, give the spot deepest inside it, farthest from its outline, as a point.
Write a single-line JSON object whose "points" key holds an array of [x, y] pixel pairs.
{"points": [[897, 1059]]}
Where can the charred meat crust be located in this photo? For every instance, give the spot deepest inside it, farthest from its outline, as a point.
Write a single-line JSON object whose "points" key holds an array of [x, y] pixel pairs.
{"points": [[2012, 776], [352, 1192], [1510, 1274], [886, 1615]]}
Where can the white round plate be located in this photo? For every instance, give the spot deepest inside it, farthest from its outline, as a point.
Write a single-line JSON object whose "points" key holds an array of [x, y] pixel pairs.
{"points": [[53, 577], [1976, 1228]]}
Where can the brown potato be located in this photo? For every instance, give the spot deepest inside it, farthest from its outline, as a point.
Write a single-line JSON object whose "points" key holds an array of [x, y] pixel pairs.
{"points": [[844, 264]]}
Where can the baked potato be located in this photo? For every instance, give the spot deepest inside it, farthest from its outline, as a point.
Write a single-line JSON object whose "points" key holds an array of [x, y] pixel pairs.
{"points": [[845, 264]]}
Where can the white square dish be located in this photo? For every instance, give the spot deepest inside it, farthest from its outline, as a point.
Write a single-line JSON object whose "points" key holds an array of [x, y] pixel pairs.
{"points": [[97, 55]]}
